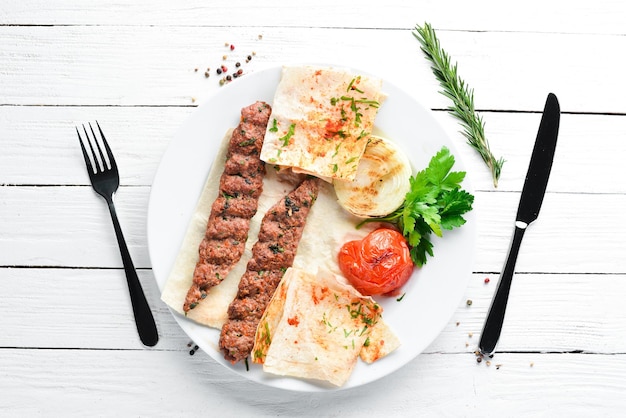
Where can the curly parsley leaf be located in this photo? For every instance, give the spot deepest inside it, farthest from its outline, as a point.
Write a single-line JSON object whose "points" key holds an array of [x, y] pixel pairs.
{"points": [[434, 203]]}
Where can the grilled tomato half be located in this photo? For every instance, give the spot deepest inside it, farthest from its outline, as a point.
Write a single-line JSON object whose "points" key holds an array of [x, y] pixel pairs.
{"points": [[378, 264]]}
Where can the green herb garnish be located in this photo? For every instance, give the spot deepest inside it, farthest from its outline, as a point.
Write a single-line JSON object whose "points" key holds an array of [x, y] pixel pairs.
{"points": [[274, 127], [461, 95], [434, 203], [285, 139]]}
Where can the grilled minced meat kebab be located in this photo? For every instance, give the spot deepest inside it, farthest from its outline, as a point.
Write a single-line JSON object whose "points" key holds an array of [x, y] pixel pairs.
{"points": [[272, 254], [240, 186]]}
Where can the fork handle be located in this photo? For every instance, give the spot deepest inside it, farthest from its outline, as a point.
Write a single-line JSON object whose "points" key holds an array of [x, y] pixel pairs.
{"points": [[144, 320]]}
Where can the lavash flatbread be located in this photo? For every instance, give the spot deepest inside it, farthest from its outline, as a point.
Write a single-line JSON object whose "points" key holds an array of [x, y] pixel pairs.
{"points": [[321, 120], [315, 249], [316, 326]]}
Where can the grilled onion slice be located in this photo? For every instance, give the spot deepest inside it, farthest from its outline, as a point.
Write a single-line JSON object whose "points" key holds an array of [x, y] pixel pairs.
{"points": [[381, 183]]}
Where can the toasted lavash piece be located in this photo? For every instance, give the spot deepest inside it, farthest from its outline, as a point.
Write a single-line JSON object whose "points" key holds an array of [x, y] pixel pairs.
{"points": [[381, 342], [321, 330], [321, 121]]}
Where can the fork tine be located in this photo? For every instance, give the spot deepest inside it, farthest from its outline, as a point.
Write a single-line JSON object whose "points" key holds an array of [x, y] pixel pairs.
{"points": [[85, 155], [93, 152], [108, 149], [102, 158]]}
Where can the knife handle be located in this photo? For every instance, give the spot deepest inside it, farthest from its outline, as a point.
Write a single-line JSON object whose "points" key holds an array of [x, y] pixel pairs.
{"points": [[495, 318]]}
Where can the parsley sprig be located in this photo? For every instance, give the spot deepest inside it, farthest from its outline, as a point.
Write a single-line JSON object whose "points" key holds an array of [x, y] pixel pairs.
{"points": [[435, 203], [461, 95]]}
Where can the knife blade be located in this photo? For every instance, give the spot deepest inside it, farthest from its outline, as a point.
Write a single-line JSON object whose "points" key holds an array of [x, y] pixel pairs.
{"points": [[530, 202]]}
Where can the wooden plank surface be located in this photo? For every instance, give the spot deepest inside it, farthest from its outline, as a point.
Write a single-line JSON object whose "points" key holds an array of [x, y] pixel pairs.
{"points": [[128, 65], [63, 381], [577, 16], [36, 136], [89, 309], [73, 229]]}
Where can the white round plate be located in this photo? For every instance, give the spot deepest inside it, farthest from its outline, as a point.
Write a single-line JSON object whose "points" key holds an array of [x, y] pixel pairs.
{"points": [[431, 296]]}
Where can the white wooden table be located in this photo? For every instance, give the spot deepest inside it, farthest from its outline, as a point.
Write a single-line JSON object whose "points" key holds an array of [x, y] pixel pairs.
{"points": [[68, 345]]}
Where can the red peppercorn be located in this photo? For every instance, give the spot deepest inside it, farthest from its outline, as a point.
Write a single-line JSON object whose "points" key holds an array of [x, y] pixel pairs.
{"points": [[487, 280], [232, 47], [224, 68]]}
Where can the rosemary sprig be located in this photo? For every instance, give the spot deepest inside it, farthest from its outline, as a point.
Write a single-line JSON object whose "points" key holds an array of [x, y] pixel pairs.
{"points": [[461, 95]]}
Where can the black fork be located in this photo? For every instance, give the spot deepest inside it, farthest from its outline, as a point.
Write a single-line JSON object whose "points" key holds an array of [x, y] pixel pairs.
{"points": [[105, 180]]}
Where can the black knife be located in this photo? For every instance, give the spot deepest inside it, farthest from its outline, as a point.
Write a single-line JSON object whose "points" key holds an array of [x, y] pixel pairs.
{"points": [[527, 211]]}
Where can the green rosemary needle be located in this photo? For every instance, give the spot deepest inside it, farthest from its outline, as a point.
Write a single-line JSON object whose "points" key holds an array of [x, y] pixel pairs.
{"points": [[461, 95]]}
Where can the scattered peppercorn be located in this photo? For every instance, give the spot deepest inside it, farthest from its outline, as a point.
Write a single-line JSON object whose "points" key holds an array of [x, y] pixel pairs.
{"points": [[487, 280], [479, 359], [469, 302], [223, 69]]}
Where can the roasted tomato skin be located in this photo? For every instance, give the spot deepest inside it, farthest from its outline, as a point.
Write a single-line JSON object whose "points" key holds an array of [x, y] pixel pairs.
{"points": [[378, 264]]}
